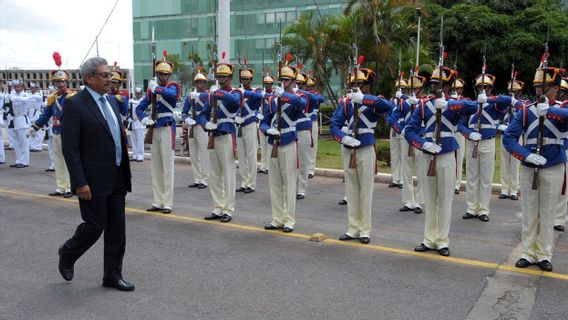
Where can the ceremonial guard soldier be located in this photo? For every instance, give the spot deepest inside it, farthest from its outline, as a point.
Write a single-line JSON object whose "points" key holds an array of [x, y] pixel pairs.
{"points": [[544, 127], [396, 139], [163, 142], [115, 90], [20, 125], [218, 119], [53, 112], [192, 109], [136, 127], [279, 125], [247, 136], [35, 104], [2, 124], [480, 147], [457, 89], [397, 120], [305, 138], [562, 206], [361, 111], [438, 147], [267, 81], [319, 99]]}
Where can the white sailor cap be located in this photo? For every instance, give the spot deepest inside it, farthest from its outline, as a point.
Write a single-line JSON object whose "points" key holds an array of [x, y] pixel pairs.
{"points": [[138, 90], [18, 82], [33, 85]]}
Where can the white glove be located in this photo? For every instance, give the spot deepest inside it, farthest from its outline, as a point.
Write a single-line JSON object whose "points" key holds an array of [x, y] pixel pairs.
{"points": [[482, 97], [147, 121], [431, 147], [356, 96], [278, 91], [32, 132], [440, 103], [259, 116], [189, 121], [502, 127], [398, 94], [213, 88], [295, 89], [513, 101], [210, 126], [475, 136], [194, 95], [239, 120], [413, 100], [9, 118], [542, 109], [152, 85], [272, 132], [454, 95], [350, 141], [536, 159]]}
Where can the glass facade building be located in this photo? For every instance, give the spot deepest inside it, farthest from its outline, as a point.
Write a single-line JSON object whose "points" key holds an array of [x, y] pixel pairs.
{"points": [[187, 28]]}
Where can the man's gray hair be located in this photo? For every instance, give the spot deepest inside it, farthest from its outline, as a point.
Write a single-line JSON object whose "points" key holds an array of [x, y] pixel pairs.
{"points": [[90, 66]]}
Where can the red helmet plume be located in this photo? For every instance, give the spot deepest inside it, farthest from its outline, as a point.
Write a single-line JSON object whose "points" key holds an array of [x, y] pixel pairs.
{"points": [[57, 58]]}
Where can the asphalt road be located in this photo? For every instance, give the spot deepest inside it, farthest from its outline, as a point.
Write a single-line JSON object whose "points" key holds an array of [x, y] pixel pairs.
{"points": [[186, 268]]}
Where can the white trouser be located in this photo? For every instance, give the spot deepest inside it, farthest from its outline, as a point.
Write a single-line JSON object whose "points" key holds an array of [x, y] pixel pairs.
{"points": [[304, 151], [479, 176], [247, 150], [263, 149], [2, 153], [223, 175], [562, 205], [438, 193], [509, 172], [199, 155], [50, 151], [36, 140], [12, 137], [21, 146], [314, 150], [62, 180], [359, 187], [163, 168], [282, 175], [538, 207], [459, 158], [408, 197], [396, 156], [137, 140]]}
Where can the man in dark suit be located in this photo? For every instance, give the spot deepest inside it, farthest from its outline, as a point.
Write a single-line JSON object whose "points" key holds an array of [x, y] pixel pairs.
{"points": [[94, 147]]}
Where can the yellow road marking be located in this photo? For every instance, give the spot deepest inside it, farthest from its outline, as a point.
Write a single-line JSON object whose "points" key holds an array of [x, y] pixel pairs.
{"points": [[372, 247]]}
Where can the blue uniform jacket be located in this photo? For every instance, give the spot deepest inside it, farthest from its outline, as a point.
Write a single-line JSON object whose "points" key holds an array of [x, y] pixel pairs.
{"points": [[493, 112], [166, 98], [189, 105], [400, 115], [293, 105], [228, 102], [251, 104], [318, 99], [52, 110], [305, 122]]}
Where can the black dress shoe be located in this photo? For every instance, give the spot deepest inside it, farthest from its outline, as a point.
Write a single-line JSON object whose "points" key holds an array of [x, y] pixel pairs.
{"points": [[271, 227], [467, 216], [249, 190], [342, 202], [405, 208], [241, 189], [288, 229], [300, 196], [119, 284], [226, 218], [139, 160], [393, 185], [456, 191], [259, 171], [444, 252], [484, 217], [194, 185], [55, 194], [545, 265], [399, 186], [166, 211], [212, 216], [153, 209], [522, 263], [418, 210], [365, 240], [503, 196], [49, 170], [202, 186], [19, 166], [346, 237], [132, 159], [514, 197], [67, 194], [66, 269], [14, 165], [559, 228], [310, 176], [422, 248]]}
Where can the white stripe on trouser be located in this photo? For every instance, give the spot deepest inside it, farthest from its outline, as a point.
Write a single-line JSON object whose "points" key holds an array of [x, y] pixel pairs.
{"points": [[479, 176], [509, 172], [162, 168], [537, 208], [304, 151], [21, 146], [282, 174], [199, 155], [263, 147], [562, 205], [438, 193], [396, 155], [37, 140], [50, 150], [408, 197], [314, 150], [137, 141], [459, 157], [62, 180], [247, 150], [359, 187], [223, 175], [2, 153]]}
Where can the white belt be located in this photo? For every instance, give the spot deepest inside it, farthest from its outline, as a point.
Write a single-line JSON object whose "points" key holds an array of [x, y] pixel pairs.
{"points": [[483, 126], [362, 130], [303, 120], [164, 114], [229, 120], [285, 130], [443, 134], [250, 115], [545, 141]]}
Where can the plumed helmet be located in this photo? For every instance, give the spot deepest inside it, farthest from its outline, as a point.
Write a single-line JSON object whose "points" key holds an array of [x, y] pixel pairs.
{"points": [[416, 81], [458, 84], [268, 79], [225, 69], [564, 84], [364, 75], [517, 85], [117, 76], [311, 81], [401, 83], [301, 77], [164, 67], [446, 76], [246, 73], [552, 76], [288, 72], [59, 75], [485, 80]]}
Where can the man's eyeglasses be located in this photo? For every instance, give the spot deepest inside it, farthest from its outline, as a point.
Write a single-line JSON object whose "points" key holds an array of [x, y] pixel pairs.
{"points": [[104, 74]]}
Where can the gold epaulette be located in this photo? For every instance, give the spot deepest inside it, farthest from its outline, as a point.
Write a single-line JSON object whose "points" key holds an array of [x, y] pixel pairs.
{"points": [[51, 99], [118, 97], [70, 93]]}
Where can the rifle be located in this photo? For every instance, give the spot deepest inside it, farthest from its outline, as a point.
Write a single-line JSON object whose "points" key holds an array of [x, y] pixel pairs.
{"points": [[190, 133], [356, 106], [513, 79], [439, 94], [414, 71], [213, 102], [475, 151], [150, 132], [240, 129], [276, 139], [540, 139]]}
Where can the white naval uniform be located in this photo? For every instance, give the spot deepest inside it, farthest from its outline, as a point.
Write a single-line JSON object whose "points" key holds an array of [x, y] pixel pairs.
{"points": [[35, 104], [2, 124], [21, 142], [136, 132]]}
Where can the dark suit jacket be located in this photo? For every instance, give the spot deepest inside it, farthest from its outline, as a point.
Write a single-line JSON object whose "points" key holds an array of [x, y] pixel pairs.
{"points": [[88, 146]]}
